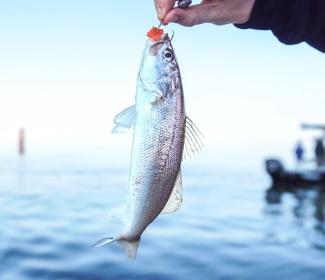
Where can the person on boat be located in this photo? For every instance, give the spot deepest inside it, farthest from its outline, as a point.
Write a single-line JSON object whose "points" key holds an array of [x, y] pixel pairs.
{"points": [[291, 21], [299, 152], [320, 152]]}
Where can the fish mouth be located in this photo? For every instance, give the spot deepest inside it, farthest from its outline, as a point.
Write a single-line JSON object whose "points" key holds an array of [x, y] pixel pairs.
{"points": [[155, 46], [164, 38]]}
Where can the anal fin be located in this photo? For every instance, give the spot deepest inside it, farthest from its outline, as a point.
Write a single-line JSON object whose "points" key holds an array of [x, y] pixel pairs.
{"points": [[176, 197]]}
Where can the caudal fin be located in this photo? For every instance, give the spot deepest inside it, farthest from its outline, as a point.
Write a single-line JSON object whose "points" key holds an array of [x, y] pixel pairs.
{"points": [[104, 241], [131, 248]]}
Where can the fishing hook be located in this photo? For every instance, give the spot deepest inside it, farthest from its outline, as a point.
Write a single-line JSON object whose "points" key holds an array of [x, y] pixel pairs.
{"points": [[172, 37]]}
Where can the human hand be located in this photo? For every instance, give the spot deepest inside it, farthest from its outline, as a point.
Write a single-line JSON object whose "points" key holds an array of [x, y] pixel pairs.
{"points": [[209, 11]]}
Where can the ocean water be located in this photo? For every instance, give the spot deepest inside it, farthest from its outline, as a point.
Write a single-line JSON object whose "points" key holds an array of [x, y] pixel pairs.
{"points": [[53, 208]]}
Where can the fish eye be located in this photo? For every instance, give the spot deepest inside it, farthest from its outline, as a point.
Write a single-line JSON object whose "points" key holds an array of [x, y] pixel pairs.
{"points": [[168, 54]]}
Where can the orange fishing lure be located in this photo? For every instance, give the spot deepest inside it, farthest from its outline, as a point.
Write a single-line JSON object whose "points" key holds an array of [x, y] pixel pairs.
{"points": [[155, 33]]}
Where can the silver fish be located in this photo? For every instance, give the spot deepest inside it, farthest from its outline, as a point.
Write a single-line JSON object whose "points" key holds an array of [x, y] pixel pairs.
{"points": [[162, 136]]}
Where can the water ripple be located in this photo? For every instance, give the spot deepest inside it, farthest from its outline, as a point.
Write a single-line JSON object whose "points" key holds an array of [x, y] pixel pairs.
{"points": [[52, 214]]}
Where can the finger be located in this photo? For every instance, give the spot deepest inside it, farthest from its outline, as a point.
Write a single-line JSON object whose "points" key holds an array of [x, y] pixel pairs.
{"points": [[196, 14], [163, 7]]}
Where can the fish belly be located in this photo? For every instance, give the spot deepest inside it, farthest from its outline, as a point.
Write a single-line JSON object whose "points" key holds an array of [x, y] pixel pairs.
{"points": [[157, 149]]}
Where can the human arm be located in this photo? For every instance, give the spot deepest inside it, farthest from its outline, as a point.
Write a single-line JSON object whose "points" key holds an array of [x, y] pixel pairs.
{"points": [[291, 21], [208, 11]]}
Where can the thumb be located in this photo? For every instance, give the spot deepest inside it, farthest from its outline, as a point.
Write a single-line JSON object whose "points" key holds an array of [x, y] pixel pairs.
{"points": [[190, 16]]}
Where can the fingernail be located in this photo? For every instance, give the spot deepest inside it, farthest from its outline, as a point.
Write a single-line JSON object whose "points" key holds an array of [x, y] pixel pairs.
{"points": [[160, 11]]}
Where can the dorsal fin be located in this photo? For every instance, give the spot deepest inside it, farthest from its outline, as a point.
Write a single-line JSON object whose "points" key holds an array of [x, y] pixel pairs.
{"points": [[193, 139], [176, 197]]}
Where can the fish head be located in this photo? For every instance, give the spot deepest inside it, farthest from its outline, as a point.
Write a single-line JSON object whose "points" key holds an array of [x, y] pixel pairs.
{"points": [[159, 69]]}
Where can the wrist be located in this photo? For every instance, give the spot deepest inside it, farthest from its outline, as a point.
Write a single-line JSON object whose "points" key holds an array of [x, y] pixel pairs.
{"points": [[243, 12]]}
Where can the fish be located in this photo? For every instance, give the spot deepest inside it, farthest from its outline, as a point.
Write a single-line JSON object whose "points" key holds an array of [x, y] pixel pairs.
{"points": [[162, 137]]}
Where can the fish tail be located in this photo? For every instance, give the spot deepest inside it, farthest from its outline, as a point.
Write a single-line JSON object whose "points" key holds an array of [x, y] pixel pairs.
{"points": [[104, 241], [130, 247]]}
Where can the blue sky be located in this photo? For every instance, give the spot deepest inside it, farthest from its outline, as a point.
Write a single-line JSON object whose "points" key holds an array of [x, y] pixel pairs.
{"points": [[67, 67]]}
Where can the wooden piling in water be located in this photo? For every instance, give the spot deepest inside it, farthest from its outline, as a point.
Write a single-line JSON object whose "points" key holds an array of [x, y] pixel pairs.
{"points": [[21, 142]]}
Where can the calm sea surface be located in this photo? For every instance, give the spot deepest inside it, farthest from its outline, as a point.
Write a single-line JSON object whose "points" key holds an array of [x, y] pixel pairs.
{"points": [[53, 208]]}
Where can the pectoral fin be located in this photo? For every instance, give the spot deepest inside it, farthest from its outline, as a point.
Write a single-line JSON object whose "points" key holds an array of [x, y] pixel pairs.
{"points": [[152, 93], [193, 139], [153, 97], [124, 120], [176, 197]]}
